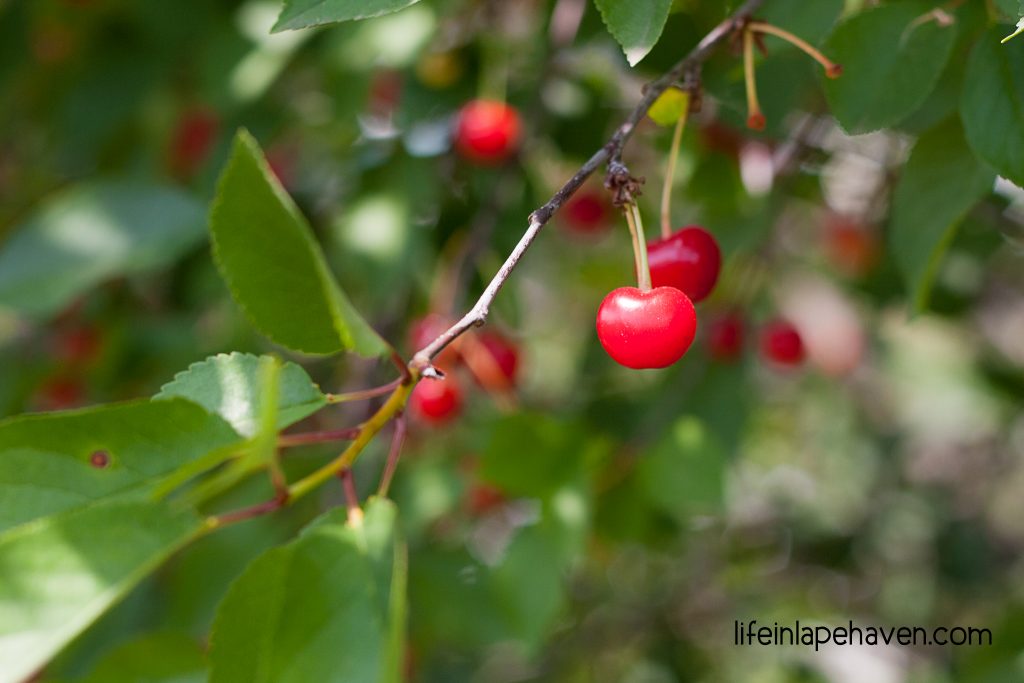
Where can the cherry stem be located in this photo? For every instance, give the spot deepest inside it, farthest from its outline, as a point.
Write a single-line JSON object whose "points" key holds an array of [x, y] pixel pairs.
{"points": [[755, 119], [365, 394], [636, 229], [306, 438], [395, 452], [832, 70], [670, 172], [348, 485]]}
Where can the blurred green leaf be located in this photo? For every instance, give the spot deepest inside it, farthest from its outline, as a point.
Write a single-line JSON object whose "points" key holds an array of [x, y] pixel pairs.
{"points": [[45, 459], [531, 454], [275, 268], [635, 24], [91, 232], [940, 183], [992, 104], [812, 21], [319, 608], [305, 13], [154, 658], [62, 572], [229, 385], [684, 474], [892, 57]]}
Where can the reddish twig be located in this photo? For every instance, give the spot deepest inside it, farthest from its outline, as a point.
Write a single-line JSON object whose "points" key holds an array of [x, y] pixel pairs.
{"points": [[397, 439], [307, 438]]}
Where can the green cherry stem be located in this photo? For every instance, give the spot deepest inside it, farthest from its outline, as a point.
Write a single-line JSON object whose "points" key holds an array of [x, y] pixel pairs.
{"points": [[636, 230], [832, 70], [666, 188]]}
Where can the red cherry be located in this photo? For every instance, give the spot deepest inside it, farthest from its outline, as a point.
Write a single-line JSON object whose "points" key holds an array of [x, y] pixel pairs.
{"points": [[586, 212], [60, 393], [436, 401], [504, 353], [428, 328], [725, 337], [483, 498], [79, 344], [651, 329], [688, 260], [193, 140], [487, 132], [781, 343]]}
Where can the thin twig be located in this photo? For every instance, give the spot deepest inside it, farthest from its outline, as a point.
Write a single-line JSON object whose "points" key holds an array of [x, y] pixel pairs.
{"points": [[610, 153], [365, 394], [397, 439], [348, 485]]}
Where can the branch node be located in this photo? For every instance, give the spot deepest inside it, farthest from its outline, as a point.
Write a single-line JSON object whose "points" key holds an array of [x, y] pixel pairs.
{"points": [[432, 372], [624, 186]]}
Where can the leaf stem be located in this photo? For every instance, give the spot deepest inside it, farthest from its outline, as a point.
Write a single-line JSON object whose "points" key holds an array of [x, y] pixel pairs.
{"points": [[394, 453], [364, 394], [307, 438], [666, 188]]}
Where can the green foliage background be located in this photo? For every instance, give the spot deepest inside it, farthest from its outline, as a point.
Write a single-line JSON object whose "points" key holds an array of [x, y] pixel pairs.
{"points": [[599, 524]]}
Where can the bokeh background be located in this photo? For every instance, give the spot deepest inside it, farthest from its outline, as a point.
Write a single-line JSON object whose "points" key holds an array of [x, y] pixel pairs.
{"points": [[593, 523]]}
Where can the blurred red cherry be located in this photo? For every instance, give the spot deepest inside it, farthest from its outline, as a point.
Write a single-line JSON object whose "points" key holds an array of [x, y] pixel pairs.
{"points": [[424, 330], [482, 498], [504, 353], [487, 132], [192, 140], [725, 337], [781, 344], [436, 401], [60, 393], [587, 212], [850, 245], [79, 344]]}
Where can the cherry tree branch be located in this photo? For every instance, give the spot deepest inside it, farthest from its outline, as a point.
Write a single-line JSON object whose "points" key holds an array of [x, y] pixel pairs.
{"points": [[688, 67]]}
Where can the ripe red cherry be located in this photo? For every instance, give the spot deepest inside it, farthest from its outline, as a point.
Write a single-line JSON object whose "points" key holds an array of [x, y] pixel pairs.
{"points": [[436, 401], [586, 212], [688, 260], [504, 353], [781, 343], [651, 329], [725, 337], [487, 132]]}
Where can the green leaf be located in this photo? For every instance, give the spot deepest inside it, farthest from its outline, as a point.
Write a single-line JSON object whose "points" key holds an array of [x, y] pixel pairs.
{"points": [[635, 24], [685, 473], [61, 573], [305, 13], [45, 458], [892, 58], [276, 271], [229, 385], [812, 21], [154, 658], [530, 454], [92, 232], [992, 104], [941, 181], [318, 609], [671, 105]]}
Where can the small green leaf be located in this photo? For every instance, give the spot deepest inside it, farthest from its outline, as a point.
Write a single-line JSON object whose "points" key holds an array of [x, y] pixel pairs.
{"points": [[154, 658], [892, 57], [62, 572], [317, 609], [635, 24], [685, 473], [275, 268], [671, 105], [91, 232], [992, 104], [941, 181], [228, 385], [305, 13], [45, 459]]}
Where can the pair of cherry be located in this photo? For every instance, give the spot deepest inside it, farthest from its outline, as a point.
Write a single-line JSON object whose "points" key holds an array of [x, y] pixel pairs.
{"points": [[779, 343], [491, 357], [653, 328]]}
